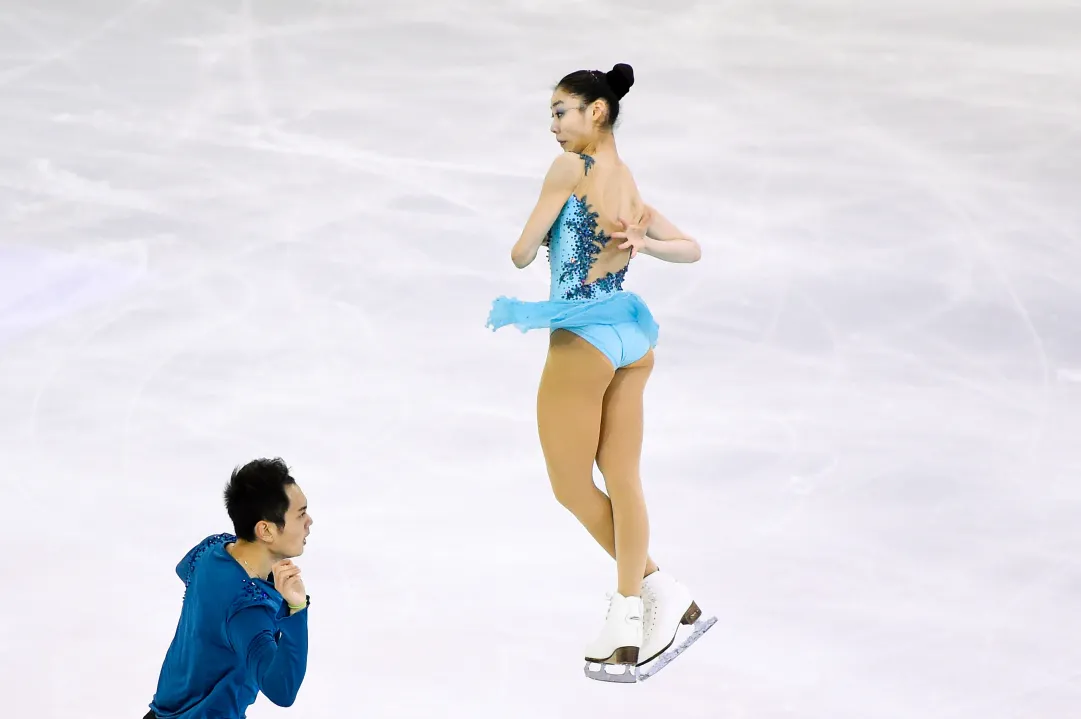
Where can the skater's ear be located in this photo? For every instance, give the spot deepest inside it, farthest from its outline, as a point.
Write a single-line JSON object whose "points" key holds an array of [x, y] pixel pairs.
{"points": [[265, 531]]}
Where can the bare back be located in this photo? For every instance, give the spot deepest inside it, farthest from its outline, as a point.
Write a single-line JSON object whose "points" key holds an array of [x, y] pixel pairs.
{"points": [[610, 191]]}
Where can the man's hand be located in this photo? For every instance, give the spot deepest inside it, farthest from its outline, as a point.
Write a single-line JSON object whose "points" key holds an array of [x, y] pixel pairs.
{"points": [[288, 582]]}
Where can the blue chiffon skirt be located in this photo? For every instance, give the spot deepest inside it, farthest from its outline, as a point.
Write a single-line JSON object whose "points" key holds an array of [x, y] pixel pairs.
{"points": [[615, 309]]}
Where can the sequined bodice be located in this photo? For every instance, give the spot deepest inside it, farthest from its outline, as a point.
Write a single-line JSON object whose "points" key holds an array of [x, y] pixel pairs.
{"points": [[574, 241]]}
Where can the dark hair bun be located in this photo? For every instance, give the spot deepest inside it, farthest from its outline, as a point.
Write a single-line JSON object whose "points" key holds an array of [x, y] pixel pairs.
{"points": [[620, 78]]}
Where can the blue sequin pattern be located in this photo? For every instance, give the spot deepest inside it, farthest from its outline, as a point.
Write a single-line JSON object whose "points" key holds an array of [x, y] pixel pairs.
{"points": [[252, 594], [189, 561], [589, 162], [574, 241]]}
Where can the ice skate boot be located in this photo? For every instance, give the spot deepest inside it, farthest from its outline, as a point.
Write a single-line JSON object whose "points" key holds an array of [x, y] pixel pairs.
{"points": [[613, 655], [668, 605]]}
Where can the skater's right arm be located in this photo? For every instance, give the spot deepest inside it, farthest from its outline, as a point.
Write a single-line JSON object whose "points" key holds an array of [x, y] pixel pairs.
{"points": [[559, 183], [277, 666], [666, 242]]}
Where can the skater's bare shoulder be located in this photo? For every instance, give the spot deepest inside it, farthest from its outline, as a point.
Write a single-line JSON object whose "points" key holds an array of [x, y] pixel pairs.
{"points": [[566, 171]]}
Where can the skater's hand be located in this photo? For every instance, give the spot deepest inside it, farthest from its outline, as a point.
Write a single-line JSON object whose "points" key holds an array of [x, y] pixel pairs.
{"points": [[289, 584], [634, 235]]}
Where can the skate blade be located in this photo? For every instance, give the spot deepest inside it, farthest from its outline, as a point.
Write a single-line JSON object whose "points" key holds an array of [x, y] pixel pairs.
{"points": [[615, 673], [700, 627]]}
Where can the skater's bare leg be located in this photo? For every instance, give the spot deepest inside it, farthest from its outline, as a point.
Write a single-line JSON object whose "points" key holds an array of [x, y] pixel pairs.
{"points": [[570, 402], [618, 455]]}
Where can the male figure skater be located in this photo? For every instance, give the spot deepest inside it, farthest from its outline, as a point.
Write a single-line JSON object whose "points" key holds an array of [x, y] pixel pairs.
{"points": [[244, 621]]}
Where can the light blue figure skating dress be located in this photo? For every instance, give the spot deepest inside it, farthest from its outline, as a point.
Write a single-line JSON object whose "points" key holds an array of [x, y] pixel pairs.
{"points": [[616, 322]]}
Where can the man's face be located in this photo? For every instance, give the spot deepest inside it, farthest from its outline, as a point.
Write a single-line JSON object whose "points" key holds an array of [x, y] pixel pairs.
{"points": [[289, 542]]}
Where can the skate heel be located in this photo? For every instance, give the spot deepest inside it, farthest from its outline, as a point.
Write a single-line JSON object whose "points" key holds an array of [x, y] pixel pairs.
{"points": [[613, 655], [622, 655], [620, 667], [691, 615]]}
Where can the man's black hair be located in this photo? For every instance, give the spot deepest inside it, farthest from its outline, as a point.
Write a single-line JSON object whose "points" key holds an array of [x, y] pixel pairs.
{"points": [[256, 492]]}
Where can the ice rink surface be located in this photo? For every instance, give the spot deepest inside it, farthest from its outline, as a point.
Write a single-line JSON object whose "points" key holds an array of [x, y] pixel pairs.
{"points": [[242, 229]]}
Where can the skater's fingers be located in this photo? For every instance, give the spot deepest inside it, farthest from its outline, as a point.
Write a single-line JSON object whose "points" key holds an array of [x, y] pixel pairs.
{"points": [[286, 575]]}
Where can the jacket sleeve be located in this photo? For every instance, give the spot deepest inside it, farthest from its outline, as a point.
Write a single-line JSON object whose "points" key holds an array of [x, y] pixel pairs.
{"points": [[278, 666]]}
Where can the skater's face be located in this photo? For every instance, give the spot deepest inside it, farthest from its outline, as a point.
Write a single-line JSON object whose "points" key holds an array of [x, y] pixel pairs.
{"points": [[289, 541], [574, 122]]}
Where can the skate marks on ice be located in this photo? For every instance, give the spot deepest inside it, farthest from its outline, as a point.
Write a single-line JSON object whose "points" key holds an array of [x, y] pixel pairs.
{"points": [[630, 674]]}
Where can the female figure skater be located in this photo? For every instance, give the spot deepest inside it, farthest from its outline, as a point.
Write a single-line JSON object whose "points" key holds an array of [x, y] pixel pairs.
{"points": [[589, 403]]}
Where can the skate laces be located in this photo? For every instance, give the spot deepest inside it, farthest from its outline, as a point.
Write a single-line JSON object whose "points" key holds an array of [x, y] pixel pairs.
{"points": [[634, 612], [609, 596], [649, 597]]}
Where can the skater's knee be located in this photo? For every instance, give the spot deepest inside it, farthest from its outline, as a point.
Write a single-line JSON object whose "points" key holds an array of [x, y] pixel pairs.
{"points": [[608, 465], [577, 496], [618, 460], [626, 495], [568, 495], [620, 478]]}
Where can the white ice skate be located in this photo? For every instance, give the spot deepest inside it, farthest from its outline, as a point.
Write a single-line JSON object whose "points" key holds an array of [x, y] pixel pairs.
{"points": [[668, 605], [613, 655]]}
